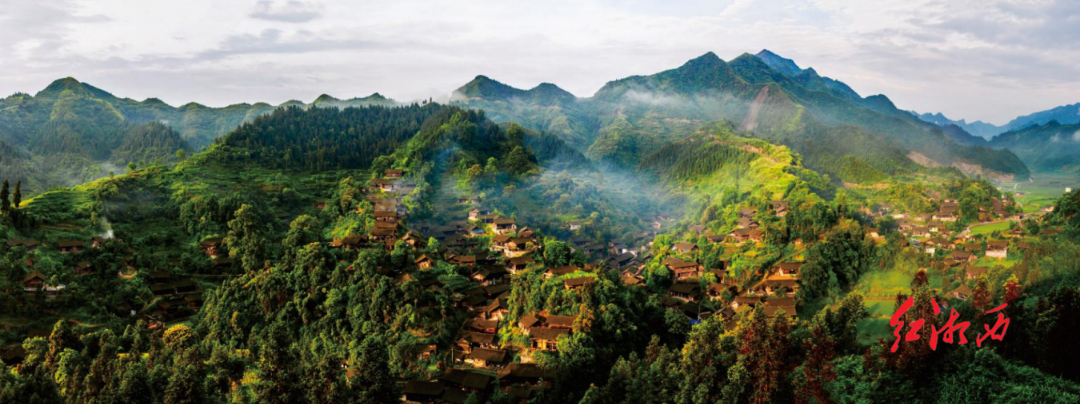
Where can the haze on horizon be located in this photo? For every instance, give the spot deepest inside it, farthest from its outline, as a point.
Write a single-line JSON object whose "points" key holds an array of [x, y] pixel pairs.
{"points": [[978, 60]]}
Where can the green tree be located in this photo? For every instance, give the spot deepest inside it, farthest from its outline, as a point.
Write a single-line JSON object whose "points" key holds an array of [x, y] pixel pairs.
{"points": [[5, 204], [62, 337], [373, 380], [16, 199], [303, 230], [246, 239], [556, 253], [517, 161], [185, 386], [179, 337]]}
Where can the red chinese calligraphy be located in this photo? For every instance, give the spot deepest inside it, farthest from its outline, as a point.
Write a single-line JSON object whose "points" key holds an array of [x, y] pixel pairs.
{"points": [[895, 321], [947, 332], [1002, 323]]}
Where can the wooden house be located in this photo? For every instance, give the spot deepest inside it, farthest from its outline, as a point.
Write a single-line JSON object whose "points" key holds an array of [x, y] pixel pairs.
{"points": [[620, 260], [579, 282], [486, 358], [776, 285], [465, 381], [210, 246], [746, 223], [685, 291], [974, 272], [490, 275], [469, 340], [33, 282], [560, 271], [518, 264], [787, 268], [716, 290], [500, 242], [745, 301], [997, 249], [775, 305], [523, 373], [963, 292], [83, 268], [961, 255], [423, 262], [30, 244], [545, 339], [779, 207], [481, 325], [70, 246], [685, 248], [683, 269], [743, 235], [504, 226]]}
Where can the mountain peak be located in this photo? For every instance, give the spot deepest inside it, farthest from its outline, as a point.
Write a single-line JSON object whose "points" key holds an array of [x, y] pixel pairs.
{"points": [[61, 85], [708, 59], [324, 98], [71, 84], [548, 94], [484, 87], [779, 63]]}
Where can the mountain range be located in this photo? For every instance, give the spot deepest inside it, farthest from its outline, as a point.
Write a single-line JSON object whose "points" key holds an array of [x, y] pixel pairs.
{"points": [[72, 132], [837, 131], [1065, 114]]}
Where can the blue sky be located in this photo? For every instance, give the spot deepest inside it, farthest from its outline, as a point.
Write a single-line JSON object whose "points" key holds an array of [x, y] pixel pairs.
{"points": [[989, 60]]}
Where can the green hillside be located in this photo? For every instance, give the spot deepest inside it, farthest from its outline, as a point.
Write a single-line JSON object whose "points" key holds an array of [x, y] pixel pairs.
{"points": [[1050, 147], [72, 132]]}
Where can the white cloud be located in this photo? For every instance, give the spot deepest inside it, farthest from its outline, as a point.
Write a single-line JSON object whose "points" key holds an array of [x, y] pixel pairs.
{"points": [[286, 11], [989, 60]]}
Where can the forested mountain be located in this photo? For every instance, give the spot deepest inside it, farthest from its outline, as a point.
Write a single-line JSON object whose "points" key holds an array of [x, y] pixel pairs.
{"points": [[1042, 142], [959, 135], [823, 119], [326, 139], [72, 132], [1065, 114], [1051, 147]]}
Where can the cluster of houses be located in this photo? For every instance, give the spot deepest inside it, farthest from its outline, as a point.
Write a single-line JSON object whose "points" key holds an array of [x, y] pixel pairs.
{"points": [[775, 292], [688, 293], [174, 299], [388, 213], [35, 283], [959, 251], [518, 380], [477, 355]]}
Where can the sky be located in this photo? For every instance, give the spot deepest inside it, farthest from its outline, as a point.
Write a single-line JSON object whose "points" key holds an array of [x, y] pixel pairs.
{"points": [[989, 60]]}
